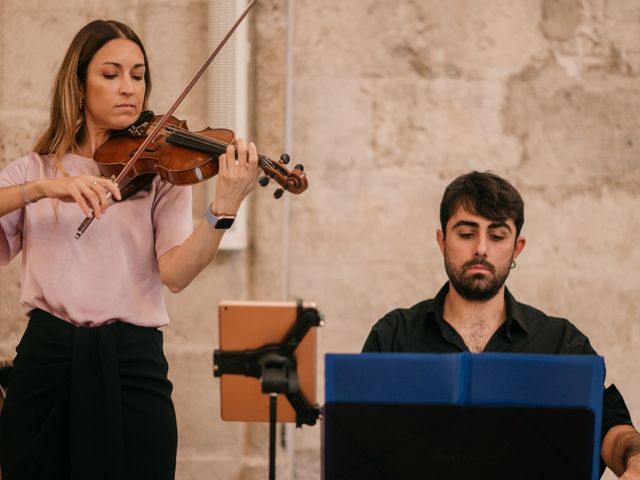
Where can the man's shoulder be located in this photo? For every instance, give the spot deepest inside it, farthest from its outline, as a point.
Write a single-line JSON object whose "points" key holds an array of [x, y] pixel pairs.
{"points": [[405, 315], [537, 318], [397, 330], [552, 328]]}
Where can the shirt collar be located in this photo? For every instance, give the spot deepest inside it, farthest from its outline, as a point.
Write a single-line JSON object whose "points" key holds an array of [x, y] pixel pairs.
{"points": [[437, 306], [515, 315], [514, 312]]}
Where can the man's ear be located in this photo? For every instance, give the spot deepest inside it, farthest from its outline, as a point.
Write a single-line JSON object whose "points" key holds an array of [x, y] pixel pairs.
{"points": [[519, 246], [440, 239]]}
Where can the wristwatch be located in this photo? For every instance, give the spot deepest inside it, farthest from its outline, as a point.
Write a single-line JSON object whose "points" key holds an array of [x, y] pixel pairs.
{"points": [[221, 222]]}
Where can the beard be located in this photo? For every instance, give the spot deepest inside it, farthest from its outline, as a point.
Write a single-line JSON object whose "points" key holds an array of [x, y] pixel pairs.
{"points": [[478, 287]]}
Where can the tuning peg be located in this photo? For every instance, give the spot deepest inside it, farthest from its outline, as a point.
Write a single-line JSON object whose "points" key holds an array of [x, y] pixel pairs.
{"points": [[278, 193], [299, 167], [285, 158], [264, 181]]}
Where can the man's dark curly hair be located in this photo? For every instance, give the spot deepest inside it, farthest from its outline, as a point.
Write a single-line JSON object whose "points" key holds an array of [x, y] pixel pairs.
{"points": [[484, 194]]}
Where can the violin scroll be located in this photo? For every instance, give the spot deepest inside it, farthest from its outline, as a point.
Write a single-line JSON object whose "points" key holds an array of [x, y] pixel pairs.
{"points": [[293, 181]]}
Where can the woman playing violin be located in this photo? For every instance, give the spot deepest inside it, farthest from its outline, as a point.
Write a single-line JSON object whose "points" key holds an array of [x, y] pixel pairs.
{"points": [[89, 395]]}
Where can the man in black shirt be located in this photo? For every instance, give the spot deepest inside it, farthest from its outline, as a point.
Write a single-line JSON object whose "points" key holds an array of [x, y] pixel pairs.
{"points": [[481, 217]]}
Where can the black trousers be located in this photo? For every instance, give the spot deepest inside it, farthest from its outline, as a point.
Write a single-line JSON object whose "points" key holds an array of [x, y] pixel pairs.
{"points": [[88, 403]]}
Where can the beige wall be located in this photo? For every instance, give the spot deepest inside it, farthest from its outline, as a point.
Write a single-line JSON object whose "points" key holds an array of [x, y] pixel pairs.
{"points": [[391, 100]]}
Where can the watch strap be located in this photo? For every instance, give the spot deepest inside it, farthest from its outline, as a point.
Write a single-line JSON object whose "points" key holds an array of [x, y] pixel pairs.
{"points": [[221, 222]]}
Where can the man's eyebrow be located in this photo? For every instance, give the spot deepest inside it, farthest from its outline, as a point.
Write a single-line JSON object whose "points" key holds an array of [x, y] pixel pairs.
{"points": [[469, 223], [466, 223], [500, 225]]}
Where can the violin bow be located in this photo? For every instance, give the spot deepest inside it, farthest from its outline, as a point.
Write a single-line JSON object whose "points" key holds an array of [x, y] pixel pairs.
{"points": [[160, 125]]}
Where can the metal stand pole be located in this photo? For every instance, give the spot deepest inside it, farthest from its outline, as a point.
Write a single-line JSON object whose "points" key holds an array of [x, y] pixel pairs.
{"points": [[273, 398]]}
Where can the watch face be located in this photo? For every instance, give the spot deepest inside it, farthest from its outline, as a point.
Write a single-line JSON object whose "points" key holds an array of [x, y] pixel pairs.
{"points": [[224, 222]]}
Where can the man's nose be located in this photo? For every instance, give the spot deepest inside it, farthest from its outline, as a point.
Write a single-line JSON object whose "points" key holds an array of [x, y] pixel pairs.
{"points": [[481, 246]]}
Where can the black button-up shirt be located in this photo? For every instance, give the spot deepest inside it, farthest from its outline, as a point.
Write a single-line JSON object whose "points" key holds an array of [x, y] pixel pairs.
{"points": [[422, 329]]}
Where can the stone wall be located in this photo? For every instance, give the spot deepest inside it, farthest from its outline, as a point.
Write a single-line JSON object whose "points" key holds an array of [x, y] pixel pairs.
{"points": [[391, 101]]}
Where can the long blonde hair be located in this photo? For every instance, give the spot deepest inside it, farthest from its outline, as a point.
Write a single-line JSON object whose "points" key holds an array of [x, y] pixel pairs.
{"points": [[67, 129]]}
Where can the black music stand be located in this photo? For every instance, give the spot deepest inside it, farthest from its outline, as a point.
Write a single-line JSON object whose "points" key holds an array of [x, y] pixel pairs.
{"points": [[249, 348]]}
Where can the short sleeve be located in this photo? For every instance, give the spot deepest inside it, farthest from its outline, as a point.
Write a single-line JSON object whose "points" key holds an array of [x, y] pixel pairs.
{"points": [[11, 224], [614, 410], [172, 220]]}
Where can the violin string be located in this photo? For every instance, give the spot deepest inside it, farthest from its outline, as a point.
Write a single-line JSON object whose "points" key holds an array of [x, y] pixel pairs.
{"points": [[199, 139], [206, 141]]}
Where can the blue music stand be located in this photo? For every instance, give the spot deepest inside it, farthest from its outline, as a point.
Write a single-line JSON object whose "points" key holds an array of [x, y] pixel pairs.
{"points": [[462, 416]]}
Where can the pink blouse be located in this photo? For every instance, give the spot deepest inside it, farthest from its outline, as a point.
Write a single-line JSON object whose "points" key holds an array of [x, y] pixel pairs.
{"points": [[111, 272]]}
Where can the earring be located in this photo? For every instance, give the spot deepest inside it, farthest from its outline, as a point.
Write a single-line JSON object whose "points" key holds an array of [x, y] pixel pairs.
{"points": [[513, 264], [81, 102]]}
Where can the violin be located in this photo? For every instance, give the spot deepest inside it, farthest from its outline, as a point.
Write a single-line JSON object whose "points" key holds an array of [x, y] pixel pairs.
{"points": [[182, 157]]}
